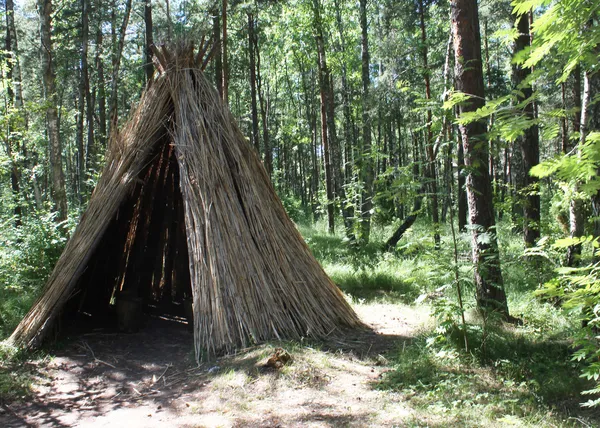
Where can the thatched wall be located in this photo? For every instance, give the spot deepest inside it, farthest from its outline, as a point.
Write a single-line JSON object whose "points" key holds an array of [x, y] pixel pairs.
{"points": [[252, 276]]}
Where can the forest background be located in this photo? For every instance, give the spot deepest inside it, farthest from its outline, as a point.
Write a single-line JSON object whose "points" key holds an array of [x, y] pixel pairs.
{"points": [[465, 181]]}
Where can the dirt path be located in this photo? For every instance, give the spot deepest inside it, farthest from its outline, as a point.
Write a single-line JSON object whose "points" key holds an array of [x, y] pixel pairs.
{"points": [[135, 380]]}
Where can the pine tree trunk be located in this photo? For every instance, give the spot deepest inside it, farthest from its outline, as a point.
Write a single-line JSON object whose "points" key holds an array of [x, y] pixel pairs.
{"points": [[15, 97], [529, 143], [367, 169], [344, 169], [59, 194], [323, 90], [102, 127], [225, 76], [117, 55], [149, 41], [460, 185], [218, 58], [490, 293], [253, 106], [594, 126], [431, 163], [263, 102], [576, 205]]}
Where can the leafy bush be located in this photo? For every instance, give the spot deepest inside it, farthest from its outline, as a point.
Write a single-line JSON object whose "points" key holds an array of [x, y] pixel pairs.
{"points": [[27, 257]]}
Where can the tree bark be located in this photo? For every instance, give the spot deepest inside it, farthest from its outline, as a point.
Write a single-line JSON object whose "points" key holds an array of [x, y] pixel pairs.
{"points": [[490, 292], [264, 105], [102, 127], [576, 219], [529, 143], [253, 105], [218, 58], [460, 185], [367, 168], [59, 194], [225, 77], [594, 126], [431, 164], [12, 46], [14, 95], [149, 41], [169, 21], [324, 93], [117, 55]]}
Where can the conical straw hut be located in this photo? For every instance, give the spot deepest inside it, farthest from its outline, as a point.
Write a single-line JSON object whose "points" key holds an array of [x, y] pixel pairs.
{"points": [[185, 210]]}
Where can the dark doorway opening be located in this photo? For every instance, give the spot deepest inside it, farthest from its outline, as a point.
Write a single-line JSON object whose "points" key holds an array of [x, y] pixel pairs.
{"points": [[140, 269]]}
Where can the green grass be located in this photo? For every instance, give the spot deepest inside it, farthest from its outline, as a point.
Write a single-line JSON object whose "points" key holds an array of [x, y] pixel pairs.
{"points": [[521, 375]]}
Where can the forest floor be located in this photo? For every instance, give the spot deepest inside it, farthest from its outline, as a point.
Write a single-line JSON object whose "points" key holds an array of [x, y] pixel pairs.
{"points": [[149, 379], [406, 370]]}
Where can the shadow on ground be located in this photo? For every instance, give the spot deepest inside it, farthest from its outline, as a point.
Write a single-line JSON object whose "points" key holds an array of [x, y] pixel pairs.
{"points": [[101, 372], [151, 376]]}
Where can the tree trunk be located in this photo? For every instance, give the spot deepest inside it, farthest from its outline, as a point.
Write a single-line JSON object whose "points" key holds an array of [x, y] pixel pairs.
{"points": [[169, 21], [13, 47], [529, 143], [15, 97], [268, 155], [460, 185], [366, 170], [225, 77], [431, 165], [102, 126], [323, 90], [85, 115], [218, 58], [406, 224], [343, 163], [594, 126], [89, 101], [253, 106], [490, 293], [576, 206], [149, 41], [576, 219], [79, 139], [117, 54], [59, 194]]}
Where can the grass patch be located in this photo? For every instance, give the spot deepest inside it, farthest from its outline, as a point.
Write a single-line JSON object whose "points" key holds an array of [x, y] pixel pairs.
{"points": [[16, 378], [509, 378]]}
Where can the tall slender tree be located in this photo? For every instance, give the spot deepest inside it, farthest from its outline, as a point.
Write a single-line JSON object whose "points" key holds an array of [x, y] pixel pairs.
{"points": [[118, 46], [252, 76], [225, 70], [431, 162], [529, 142], [490, 292], [149, 41], [324, 82], [14, 95], [59, 193], [367, 167]]}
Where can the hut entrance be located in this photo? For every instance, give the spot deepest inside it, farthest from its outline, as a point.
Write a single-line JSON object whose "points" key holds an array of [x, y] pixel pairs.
{"points": [[140, 268]]}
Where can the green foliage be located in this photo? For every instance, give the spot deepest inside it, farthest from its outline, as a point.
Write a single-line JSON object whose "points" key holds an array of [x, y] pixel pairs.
{"points": [[295, 209], [563, 29], [27, 257], [578, 290], [580, 167], [522, 379]]}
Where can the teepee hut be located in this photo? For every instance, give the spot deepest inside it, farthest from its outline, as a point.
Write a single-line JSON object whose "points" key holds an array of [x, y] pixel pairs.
{"points": [[184, 211]]}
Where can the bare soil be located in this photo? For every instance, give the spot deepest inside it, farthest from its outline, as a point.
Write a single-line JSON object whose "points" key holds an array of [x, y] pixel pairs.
{"points": [[150, 379]]}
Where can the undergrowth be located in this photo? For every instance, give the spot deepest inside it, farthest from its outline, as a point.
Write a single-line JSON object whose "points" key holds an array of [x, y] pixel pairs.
{"points": [[520, 374]]}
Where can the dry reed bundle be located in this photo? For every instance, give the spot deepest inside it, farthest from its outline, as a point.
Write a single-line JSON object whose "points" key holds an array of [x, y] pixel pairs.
{"points": [[252, 276]]}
